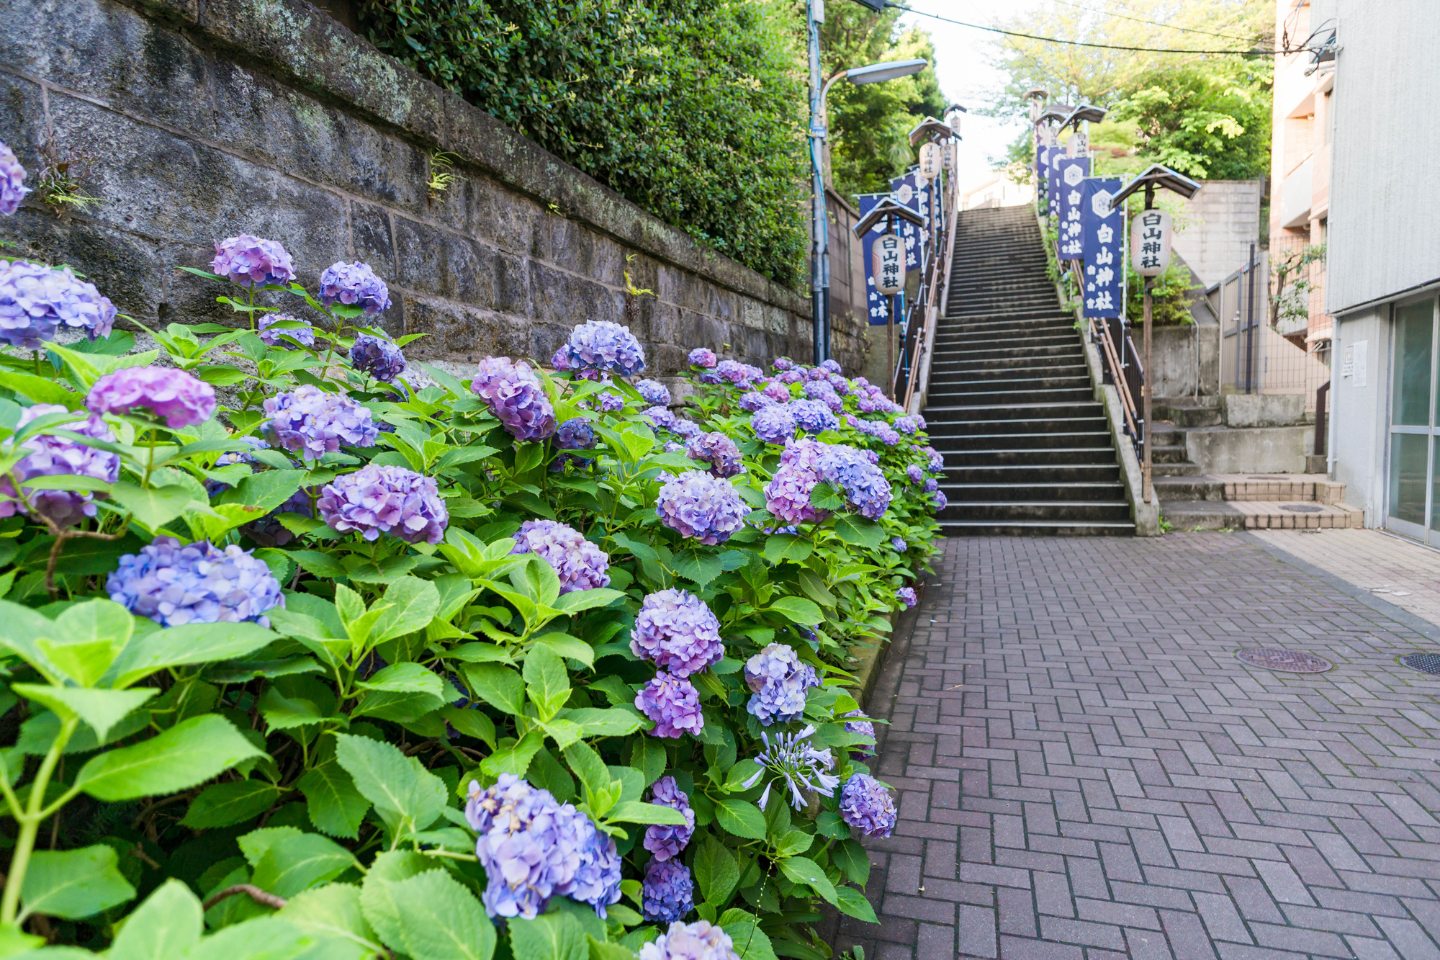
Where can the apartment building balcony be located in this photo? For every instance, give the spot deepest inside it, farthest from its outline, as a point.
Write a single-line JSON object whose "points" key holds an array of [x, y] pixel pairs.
{"points": [[1297, 194]]}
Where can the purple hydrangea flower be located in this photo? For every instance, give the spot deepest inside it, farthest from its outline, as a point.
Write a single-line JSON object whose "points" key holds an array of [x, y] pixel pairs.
{"points": [[787, 495], [37, 301], [172, 395], [312, 423], [793, 375], [303, 333], [516, 397], [698, 505], [812, 416], [867, 806], [831, 366], [899, 545], [49, 455], [783, 363], [533, 848], [354, 285], [673, 704], [668, 892], [754, 400], [677, 632], [375, 500], [864, 728], [660, 418], [778, 679], [931, 485], [579, 564], [908, 425], [937, 462], [598, 349], [822, 391], [610, 402], [701, 357], [773, 424], [655, 393], [701, 940], [916, 475], [777, 391], [796, 764], [687, 429], [941, 502], [735, 373], [195, 583], [906, 595], [577, 433], [851, 473], [719, 451], [665, 840], [378, 357], [12, 181], [251, 261]]}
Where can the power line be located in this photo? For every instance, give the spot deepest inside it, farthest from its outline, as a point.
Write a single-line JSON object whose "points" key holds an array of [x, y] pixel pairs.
{"points": [[1074, 43], [1153, 23]]}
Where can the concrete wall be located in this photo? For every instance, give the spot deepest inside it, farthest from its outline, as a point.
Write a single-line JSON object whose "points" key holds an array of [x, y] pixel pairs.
{"points": [[1185, 361], [1360, 410], [1383, 234], [1217, 226], [193, 121]]}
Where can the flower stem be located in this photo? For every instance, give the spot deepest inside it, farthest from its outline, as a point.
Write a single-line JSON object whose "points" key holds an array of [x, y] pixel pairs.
{"points": [[30, 822]]}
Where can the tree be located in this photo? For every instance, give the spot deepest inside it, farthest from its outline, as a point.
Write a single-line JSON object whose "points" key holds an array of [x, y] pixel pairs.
{"points": [[869, 124]]}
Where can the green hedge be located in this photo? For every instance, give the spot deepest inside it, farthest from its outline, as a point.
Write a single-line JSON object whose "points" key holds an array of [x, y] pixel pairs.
{"points": [[693, 111]]}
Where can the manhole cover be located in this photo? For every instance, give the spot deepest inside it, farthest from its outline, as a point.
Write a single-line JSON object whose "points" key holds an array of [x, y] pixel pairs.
{"points": [[1301, 507], [1290, 661], [1424, 662]]}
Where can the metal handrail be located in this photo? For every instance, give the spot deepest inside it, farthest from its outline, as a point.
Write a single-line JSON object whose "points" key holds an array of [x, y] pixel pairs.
{"points": [[911, 374], [1122, 368]]}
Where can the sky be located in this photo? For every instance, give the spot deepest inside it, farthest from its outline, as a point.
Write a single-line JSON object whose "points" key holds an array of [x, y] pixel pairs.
{"points": [[965, 67]]}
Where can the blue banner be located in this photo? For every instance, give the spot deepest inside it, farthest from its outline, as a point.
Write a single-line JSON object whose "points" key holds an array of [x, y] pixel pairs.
{"points": [[908, 191], [1052, 179], [1042, 175], [1102, 244], [1072, 173], [877, 306]]}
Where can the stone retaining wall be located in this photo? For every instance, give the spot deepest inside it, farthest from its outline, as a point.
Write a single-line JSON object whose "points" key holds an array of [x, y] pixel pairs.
{"points": [[192, 121]]}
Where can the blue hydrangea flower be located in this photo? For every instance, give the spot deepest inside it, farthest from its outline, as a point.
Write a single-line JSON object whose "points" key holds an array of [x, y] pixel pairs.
{"points": [[302, 331], [831, 366], [916, 475], [194, 583], [908, 425], [378, 357], [251, 261], [354, 285], [796, 764], [863, 727], [655, 393], [12, 181], [822, 391], [853, 474], [375, 500], [703, 507], [701, 940], [719, 451], [516, 397], [867, 806], [312, 422], [660, 418], [778, 679], [577, 433], [36, 302], [899, 545], [701, 357], [906, 595], [47, 454], [665, 840], [579, 564], [754, 400], [598, 349], [668, 892], [941, 502], [773, 424], [610, 402], [677, 631], [812, 416], [673, 704]]}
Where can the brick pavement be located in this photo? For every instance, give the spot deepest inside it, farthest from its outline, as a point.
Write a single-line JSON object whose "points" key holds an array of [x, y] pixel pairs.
{"points": [[1084, 774]]}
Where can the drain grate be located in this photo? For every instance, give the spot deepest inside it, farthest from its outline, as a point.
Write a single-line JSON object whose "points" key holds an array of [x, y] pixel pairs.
{"points": [[1301, 507], [1424, 662], [1289, 661]]}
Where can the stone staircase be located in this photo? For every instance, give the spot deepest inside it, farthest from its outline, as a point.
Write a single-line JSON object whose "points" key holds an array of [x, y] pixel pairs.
{"points": [[1010, 403]]}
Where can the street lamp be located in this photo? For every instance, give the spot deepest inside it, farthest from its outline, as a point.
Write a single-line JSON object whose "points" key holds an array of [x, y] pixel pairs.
{"points": [[820, 240]]}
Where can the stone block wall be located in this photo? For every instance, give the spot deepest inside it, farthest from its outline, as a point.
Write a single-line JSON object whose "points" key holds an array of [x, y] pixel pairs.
{"points": [[193, 121]]}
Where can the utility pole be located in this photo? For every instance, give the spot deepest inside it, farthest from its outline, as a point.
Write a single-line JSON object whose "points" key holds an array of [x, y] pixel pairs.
{"points": [[819, 227]]}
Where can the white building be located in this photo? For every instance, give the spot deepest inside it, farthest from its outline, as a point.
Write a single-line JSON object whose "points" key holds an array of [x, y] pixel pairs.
{"points": [[1383, 283]]}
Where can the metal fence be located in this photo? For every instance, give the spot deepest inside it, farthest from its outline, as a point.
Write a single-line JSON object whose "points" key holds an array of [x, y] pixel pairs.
{"points": [[1254, 356]]}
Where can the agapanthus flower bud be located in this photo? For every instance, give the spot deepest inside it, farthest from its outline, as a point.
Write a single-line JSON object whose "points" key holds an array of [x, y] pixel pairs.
{"points": [[677, 631], [867, 806], [354, 285], [378, 357], [655, 393], [668, 892], [719, 451], [12, 181], [701, 357], [598, 349], [48, 454], [37, 302], [173, 395], [580, 564], [375, 500], [673, 704], [796, 764], [516, 397], [666, 840], [195, 583], [698, 505], [251, 261], [300, 331], [701, 940], [312, 422], [778, 679]]}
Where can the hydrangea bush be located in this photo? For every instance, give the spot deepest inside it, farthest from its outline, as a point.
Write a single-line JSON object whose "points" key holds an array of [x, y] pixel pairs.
{"points": [[304, 660]]}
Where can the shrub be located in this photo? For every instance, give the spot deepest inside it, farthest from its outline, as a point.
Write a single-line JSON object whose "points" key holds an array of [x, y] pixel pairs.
{"points": [[695, 112], [301, 662]]}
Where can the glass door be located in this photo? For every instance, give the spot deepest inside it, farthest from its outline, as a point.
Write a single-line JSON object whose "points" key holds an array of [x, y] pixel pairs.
{"points": [[1414, 501]]}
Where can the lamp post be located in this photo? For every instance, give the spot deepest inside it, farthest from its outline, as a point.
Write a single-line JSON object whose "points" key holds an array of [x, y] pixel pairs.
{"points": [[820, 240]]}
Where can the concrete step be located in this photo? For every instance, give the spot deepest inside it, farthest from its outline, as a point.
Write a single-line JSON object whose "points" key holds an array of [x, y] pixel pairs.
{"points": [[938, 416], [1081, 394], [1035, 528], [1105, 511], [1169, 454], [1013, 384], [1175, 469], [1009, 474], [1002, 458], [1258, 515], [1054, 490], [1054, 440], [1188, 488], [1015, 426]]}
